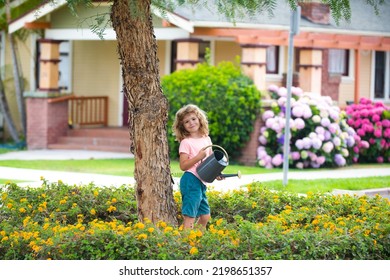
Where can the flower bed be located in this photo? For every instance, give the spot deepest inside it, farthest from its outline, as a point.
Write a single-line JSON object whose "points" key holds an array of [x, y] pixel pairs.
{"points": [[320, 135], [57, 221], [371, 121]]}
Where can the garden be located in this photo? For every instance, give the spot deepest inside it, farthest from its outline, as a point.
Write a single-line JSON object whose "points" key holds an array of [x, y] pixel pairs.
{"points": [[57, 221]]}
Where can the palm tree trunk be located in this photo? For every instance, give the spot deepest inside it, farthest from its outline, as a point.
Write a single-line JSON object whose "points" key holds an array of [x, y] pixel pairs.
{"points": [[4, 109], [18, 80], [148, 109], [19, 87]]}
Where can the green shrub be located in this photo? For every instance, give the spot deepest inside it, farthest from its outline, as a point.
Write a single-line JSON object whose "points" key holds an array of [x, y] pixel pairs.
{"points": [[58, 221], [229, 98]]}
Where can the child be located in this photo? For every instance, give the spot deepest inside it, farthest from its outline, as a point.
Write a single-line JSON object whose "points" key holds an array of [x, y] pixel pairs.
{"points": [[191, 130]]}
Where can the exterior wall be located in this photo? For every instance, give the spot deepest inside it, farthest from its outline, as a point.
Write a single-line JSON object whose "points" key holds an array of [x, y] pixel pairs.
{"points": [[96, 72], [249, 152], [365, 73], [347, 86], [62, 17]]}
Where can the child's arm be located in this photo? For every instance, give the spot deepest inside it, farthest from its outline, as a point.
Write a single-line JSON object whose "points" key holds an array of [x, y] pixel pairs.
{"points": [[186, 162]]}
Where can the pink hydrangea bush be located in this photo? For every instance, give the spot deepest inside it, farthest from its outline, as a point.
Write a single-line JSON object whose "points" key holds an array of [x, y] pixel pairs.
{"points": [[320, 135], [371, 121]]}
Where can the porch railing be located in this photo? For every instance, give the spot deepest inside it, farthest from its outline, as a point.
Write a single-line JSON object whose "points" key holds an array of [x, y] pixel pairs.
{"points": [[88, 110]]}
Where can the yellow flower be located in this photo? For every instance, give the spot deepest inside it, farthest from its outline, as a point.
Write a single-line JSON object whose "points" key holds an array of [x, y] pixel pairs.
{"points": [[162, 224], [22, 210], [219, 222], [139, 226], [142, 236], [111, 208], [194, 251], [95, 193], [254, 204], [4, 196], [93, 211], [23, 200], [62, 201], [9, 205], [151, 229], [5, 238], [168, 229], [235, 242], [36, 248], [113, 200], [192, 235]]}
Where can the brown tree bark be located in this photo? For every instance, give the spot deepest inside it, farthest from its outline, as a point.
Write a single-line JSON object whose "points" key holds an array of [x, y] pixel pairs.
{"points": [[148, 109]]}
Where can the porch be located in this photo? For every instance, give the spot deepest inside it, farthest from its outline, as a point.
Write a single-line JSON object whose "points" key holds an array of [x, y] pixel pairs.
{"points": [[73, 123], [108, 139]]}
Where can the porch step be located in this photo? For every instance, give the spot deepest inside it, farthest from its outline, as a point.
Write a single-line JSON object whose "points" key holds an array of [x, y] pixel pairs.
{"points": [[95, 139]]}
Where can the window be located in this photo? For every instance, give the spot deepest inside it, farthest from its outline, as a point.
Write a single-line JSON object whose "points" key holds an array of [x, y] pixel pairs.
{"points": [[64, 67], [273, 60], [338, 61], [382, 75]]}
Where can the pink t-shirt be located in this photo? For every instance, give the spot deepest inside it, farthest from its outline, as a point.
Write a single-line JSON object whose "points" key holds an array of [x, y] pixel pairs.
{"points": [[192, 146]]}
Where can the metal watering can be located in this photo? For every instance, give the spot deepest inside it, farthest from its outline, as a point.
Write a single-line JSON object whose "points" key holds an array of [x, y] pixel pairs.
{"points": [[209, 169]]}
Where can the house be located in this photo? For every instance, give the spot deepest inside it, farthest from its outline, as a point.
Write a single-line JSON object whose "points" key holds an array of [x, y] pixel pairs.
{"points": [[66, 63]]}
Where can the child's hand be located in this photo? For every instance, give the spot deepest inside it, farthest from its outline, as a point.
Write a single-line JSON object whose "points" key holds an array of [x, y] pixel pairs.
{"points": [[202, 154], [219, 178]]}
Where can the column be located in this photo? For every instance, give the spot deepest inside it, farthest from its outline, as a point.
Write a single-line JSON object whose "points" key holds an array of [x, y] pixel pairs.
{"points": [[46, 107], [187, 53], [310, 70], [254, 63]]}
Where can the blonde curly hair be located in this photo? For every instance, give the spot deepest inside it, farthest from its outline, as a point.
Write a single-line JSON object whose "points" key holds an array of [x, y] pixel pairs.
{"points": [[178, 127]]}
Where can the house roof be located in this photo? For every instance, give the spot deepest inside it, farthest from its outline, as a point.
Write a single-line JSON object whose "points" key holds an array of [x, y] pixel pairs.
{"points": [[363, 18], [366, 30]]}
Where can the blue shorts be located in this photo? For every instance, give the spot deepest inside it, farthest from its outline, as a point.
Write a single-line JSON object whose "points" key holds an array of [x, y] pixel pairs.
{"points": [[193, 193]]}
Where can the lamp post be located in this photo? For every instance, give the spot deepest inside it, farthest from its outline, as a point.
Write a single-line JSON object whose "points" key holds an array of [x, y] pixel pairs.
{"points": [[294, 30]]}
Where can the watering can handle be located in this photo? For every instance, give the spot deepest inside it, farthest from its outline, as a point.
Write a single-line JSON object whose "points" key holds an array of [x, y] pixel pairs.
{"points": [[226, 155]]}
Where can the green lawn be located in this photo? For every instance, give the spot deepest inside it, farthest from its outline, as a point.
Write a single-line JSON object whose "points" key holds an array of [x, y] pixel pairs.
{"points": [[328, 185], [125, 167], [119, 167]]}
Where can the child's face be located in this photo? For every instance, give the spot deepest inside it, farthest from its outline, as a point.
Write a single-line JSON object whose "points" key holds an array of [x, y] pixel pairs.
{"points": [[191, 123]]}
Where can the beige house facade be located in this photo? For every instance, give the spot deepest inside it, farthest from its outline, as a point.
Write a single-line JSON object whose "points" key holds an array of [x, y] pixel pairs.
{"points": [[63, 58]]}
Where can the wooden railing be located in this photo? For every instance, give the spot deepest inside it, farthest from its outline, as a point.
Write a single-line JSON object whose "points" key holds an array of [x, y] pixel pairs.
{"points": [[88, 110]]}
